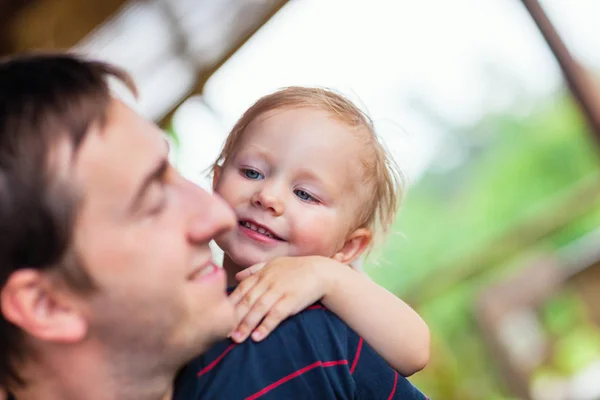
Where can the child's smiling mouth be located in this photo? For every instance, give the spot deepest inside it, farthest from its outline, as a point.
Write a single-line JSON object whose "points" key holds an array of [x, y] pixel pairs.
{"points": [[257, 229]]}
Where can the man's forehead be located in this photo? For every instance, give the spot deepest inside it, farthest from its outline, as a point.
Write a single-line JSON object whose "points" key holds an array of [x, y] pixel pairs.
{"points": [[116, 156]]}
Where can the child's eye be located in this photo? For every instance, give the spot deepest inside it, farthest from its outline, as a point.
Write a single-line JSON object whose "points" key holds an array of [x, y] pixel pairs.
{"points": [[252, 174], [304, 195]]}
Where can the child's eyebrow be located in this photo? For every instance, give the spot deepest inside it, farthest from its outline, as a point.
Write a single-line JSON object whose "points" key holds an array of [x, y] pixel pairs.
{"points": [[327, 185], [252, 151], [309, 174]]}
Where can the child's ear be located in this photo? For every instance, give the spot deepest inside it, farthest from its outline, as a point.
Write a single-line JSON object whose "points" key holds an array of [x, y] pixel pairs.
{"points": [[216, 175], [355, 245]]}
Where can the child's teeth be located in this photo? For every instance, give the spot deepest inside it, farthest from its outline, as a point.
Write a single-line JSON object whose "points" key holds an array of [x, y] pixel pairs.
{"points": [[262, 231]]}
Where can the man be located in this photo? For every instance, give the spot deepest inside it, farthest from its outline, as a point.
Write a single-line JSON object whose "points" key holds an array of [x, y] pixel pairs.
{"points": [[107, 286]]}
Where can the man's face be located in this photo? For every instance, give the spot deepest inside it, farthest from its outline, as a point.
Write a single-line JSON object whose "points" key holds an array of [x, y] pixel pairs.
{"points": [[142, 233]]}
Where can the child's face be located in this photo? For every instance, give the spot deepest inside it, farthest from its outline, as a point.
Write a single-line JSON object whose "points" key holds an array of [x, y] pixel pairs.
{"points": [[294, 183]]}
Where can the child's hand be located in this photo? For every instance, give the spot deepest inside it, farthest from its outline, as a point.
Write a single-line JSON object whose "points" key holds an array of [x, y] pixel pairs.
{"points": [[243, 274], [277, 290]]}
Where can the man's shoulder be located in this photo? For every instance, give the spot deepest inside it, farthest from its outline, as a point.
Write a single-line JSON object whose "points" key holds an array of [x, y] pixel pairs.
{"points": [[320, 319], [308, 353], [313, 333], [319, 329]]}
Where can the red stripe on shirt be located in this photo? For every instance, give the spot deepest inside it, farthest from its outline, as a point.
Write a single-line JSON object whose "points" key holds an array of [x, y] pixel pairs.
{"points": [[296, 374], [216, 361], [356, 356], [228, 349], [391, 396]]}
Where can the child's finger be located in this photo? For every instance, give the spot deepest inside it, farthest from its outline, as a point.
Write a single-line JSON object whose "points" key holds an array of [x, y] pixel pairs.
{"points": [[243, 288], [240, 276], [247, 301], [280, 311], [258, 311]]}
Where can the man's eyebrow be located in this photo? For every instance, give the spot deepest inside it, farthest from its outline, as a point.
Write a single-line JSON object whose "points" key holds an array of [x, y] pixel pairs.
{"points": [[159, 170]]}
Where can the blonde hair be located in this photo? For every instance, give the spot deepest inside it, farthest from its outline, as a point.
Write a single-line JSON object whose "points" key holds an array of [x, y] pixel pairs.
{"points": [[384, 183]]}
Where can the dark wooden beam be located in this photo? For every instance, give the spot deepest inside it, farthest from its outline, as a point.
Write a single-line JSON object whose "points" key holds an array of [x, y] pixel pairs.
{"points": [[582, 86], [56, 24], [204, 74], [8, 8], [584, 197]]}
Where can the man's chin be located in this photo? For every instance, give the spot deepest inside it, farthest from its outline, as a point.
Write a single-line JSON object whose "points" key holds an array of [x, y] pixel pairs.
{"points": [[228, 321], [222, 324]]}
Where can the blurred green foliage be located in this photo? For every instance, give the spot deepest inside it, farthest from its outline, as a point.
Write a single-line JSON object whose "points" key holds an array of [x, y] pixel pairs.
{"points": [[516, 164]]}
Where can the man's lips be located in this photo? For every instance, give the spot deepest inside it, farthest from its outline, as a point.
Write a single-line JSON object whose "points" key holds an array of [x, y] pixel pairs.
{"points": [[206, 272], [260, 229]]}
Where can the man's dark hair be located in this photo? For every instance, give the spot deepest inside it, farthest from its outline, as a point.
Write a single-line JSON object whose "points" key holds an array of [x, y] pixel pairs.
{"points": [[48, 103]]}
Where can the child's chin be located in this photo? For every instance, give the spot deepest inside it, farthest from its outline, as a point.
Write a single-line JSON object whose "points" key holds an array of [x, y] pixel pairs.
{"points": [[251, 258], [245, 260]]}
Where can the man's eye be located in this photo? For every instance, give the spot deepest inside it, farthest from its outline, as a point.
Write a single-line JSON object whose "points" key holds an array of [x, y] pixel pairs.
{"points": [[304, 195], [252, 174], [160, 205], [158, 199]]}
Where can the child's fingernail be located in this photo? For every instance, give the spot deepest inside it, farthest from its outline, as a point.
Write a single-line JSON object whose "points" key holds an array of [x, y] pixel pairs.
{"points": [[237, 336], [257, 335]]}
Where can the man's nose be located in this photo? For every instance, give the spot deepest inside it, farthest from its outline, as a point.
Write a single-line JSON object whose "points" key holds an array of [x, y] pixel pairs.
{"points": [[212, 217]]}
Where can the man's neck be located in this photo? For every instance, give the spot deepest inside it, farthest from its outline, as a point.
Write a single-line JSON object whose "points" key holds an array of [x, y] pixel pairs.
{"points": [[76, 375]]}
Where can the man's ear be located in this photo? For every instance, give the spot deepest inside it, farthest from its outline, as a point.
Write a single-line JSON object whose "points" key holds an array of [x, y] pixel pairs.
{"points": [[36, 304], [355, 245], [216, 175]]}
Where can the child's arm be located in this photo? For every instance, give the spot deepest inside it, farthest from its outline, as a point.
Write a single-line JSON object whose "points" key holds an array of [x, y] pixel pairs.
{"points": [[286, 286], [387, 323]]}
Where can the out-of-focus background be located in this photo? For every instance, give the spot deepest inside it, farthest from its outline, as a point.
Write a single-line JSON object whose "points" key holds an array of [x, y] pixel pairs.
{"points": [[498, 242]]}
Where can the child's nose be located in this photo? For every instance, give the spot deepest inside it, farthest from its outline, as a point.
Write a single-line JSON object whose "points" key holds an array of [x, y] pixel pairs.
{"points": [[269, 202]]}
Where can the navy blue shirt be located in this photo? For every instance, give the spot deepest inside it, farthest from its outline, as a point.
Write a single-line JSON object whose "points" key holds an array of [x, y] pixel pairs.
{"points": [[313, 355]]}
